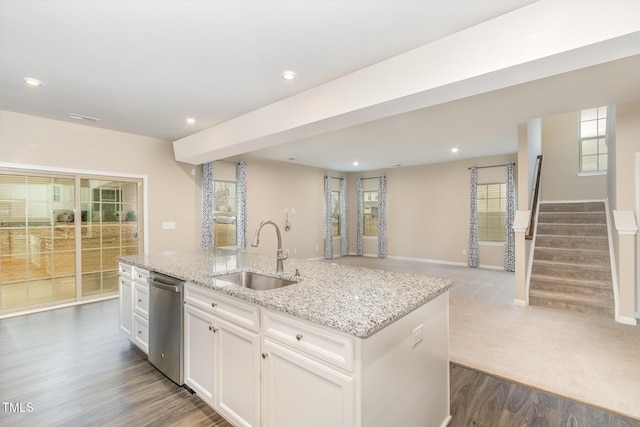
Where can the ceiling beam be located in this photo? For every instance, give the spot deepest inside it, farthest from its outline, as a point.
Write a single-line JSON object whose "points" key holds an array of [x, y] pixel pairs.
{"points": [[542, 39]]}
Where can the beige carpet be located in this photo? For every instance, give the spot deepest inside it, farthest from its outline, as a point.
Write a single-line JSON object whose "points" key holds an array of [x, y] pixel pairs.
{"points": [[585, 358]]}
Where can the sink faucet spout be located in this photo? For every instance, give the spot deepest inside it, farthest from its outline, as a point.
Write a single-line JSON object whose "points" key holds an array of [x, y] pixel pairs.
{"points": [[280, 257]]}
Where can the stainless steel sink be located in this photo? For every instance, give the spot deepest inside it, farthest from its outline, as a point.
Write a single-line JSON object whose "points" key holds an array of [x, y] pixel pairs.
{"points": [[255, 281]]}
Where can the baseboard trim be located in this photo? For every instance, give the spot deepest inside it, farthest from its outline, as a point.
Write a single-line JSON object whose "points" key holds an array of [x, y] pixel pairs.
{"points": [[446, 421], [627, 320], [431, 261], [55, 307], [520, 302]]}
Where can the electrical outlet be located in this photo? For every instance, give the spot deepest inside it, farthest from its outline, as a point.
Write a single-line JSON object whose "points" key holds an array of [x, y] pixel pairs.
{"points": [[417, 335], [464, 252]]}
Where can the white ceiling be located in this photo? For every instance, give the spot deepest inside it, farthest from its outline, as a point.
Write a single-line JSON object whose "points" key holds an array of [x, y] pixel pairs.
{"points": [[143, 67]]}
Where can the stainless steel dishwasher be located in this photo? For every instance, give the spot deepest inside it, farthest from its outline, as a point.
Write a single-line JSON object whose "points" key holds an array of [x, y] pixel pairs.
{"points": [[165, 325]]}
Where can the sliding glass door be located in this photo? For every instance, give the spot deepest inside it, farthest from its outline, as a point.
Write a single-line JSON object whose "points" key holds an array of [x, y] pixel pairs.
{"points": [[60, 237], [37, 240], [109, 229]]}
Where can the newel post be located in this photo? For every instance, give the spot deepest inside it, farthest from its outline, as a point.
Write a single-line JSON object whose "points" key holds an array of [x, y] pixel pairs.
{"points": [[625, 224], [520, 226]]}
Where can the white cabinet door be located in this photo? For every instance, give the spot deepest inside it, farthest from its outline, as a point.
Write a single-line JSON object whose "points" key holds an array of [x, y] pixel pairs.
{"points": [[199, 346], [298, 391], [237, 374], [140, 333], [126, 306]]}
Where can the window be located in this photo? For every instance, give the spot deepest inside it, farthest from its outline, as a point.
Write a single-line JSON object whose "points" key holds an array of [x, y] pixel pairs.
{"points": [[225, 210], [492, 201], [593, 140], [335, 213], [41, 213], [370, 213]]}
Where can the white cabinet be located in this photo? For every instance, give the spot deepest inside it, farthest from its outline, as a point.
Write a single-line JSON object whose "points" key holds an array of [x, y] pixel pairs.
{"points": [[126, 303], [222, 354], [307, 374], [199, 346], [261, 367], [140, 333], [237, 374], [300, 391], [317, 376], [134, 304]]}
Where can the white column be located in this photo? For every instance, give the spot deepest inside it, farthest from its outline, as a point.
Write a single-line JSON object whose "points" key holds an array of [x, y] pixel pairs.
{"points": [[520, 227], [627, 229]]}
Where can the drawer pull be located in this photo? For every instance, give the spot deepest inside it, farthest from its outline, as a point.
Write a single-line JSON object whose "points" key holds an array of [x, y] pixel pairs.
{"points": [[213, 304], [264, 355], [139, 332], [139, 299], [212, 329], [299, 337]]}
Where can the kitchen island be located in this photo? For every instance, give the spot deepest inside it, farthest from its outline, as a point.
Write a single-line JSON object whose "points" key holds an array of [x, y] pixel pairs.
{"points": [[345, 346]]}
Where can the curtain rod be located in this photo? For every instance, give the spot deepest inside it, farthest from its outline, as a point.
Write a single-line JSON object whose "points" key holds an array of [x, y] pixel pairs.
{"points": [[371, 177], [336, 177], [495, 166]]}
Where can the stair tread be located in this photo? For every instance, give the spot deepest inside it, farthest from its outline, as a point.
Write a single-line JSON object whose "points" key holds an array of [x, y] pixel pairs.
{"points": [[574, 224], [594, 283], [588, 266], [572, 298], [573, 250], [570, 236]]}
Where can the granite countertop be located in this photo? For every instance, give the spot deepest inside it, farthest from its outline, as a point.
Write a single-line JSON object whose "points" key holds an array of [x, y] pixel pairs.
{"points": [[359, 301]]}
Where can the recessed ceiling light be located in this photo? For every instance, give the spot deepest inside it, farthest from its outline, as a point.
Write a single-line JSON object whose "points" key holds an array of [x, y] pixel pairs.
{"points": [[454, 150], [83, 117], [356, 164], [288, 75], [191, 120], [32, 82]]}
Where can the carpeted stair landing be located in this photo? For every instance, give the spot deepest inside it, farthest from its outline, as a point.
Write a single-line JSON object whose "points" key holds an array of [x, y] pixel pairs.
{"points": [[571, 268]]}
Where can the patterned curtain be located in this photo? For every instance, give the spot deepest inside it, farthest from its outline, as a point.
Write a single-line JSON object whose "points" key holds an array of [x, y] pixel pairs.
{"points": [[360, 230], [241, 216], [382, 217], [473, 257], [207, 205], [328, 234], [344, 219], [509, 234]]}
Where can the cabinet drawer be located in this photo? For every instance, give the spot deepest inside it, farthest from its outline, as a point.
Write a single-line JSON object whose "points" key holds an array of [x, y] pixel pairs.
{"points": [[124, 270], [325, 344], [140, 274], [237, 312], [141, 299], [141, 332]]}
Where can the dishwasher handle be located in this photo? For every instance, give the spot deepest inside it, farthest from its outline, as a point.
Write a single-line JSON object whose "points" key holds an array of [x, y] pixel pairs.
{"points": [[155, 283]]}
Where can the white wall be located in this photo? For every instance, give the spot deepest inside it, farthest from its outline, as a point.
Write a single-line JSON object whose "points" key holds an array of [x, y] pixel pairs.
{"points": [[428, 209], [560, 147], [173, 192]]}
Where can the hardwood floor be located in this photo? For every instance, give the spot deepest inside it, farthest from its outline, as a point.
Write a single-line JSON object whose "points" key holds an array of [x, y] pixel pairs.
{"points": [[74, 367], [478, 399]]}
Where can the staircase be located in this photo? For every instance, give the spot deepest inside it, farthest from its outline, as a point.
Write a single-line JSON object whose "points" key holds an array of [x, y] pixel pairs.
{"points": [[571, 268]]}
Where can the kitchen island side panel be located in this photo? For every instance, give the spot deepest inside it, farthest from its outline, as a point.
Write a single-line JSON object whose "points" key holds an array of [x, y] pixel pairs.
{"points": [[403, 384]]}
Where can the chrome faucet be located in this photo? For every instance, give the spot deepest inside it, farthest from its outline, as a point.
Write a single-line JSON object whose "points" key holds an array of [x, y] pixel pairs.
{"points": [[279, 255]]}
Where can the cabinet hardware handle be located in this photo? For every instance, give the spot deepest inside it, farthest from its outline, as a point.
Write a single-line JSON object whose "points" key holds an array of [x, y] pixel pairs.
{"points": [[264, 355], [299, 337], [212, 329], [213, 304], [139, 299], [139, 332]]}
